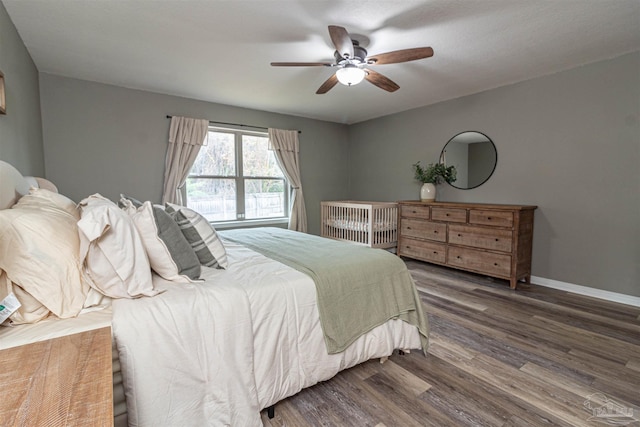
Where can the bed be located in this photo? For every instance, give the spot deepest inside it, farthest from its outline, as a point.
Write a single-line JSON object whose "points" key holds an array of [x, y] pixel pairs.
{"points": [[373, 224], [218, 348]]}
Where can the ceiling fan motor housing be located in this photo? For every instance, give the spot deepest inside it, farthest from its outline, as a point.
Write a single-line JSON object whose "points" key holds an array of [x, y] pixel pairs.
{"points": [[359, 54]]}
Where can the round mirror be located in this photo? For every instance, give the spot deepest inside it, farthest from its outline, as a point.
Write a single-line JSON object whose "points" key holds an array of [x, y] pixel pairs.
{"points": [[475, 157]]}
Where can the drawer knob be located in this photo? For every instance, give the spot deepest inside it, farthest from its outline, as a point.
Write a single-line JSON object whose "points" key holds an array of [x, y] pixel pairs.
{"points": [[446, 214], [435, 252], [497, 240], [459, 235], [458, 257], [488, 218], [435, 231], [414, 212], [409, 228], [495, 263]]}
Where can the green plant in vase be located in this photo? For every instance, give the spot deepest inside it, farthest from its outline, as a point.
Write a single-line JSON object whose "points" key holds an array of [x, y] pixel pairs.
{"points": [[432, 175]]}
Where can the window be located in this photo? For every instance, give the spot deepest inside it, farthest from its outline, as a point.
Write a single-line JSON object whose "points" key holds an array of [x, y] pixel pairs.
{"points": [[235, 177]]}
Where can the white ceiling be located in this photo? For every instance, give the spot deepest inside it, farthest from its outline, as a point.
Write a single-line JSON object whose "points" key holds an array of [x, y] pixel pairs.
{"points": [[220, 51]]}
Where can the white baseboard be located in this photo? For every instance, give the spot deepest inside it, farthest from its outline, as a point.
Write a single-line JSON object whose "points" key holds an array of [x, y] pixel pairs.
{"points": [[585, 290]]}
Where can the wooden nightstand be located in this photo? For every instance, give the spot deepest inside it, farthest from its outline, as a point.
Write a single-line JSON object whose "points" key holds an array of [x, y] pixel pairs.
{"points": [[64, 381]]}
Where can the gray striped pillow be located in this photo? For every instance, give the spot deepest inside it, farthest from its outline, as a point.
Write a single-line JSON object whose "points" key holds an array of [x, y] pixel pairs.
{"points": [[201, 235]]}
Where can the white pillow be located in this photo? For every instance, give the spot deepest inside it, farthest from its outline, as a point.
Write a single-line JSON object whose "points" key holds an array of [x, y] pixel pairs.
{"points": [[39, 251], [170, 255], [201, 235], [112, 251], [39, 198]]}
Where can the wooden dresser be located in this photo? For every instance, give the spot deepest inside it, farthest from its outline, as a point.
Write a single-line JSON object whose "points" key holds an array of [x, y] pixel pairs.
{"points": [[64, 381], [495, 240]]}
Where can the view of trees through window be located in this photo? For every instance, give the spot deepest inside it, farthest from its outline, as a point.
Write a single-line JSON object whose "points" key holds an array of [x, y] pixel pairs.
{"points": [[235, 177]]}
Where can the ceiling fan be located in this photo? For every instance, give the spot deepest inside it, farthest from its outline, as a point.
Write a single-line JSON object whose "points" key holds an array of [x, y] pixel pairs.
{"points": [[352, 60]]}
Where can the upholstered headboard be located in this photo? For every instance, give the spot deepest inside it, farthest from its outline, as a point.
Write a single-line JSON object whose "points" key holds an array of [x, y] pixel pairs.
{"points": [[13, 185]]}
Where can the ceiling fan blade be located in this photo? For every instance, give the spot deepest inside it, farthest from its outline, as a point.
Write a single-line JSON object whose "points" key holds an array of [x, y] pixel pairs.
{"points": [[327, 85], [381, 81], [404, 55], [341, 40], [302, 64]]}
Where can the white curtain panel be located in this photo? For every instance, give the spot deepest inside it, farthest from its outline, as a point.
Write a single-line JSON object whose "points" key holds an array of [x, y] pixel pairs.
{"points": [[186, 136], [285, 145]]}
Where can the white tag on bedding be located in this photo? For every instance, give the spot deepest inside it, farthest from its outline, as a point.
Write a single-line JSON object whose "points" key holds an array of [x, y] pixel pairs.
{"points": [[8, 306]]}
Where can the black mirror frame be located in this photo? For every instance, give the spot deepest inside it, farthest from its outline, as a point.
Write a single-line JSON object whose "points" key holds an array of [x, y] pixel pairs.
{"points": [[495, 164]]}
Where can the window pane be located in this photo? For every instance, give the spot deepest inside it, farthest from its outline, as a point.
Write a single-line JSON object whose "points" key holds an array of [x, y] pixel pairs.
{"points": [[215, 199], [257, 159], [264, 198], [218, 157]]}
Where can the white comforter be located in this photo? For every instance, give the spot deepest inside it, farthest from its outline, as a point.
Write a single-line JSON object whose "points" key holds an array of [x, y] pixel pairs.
{"points": [[216, 353]]}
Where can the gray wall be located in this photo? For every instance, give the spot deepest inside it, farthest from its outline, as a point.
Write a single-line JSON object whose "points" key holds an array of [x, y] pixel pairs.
{"points": [[111, 140], [21, 127], [568, 143]]}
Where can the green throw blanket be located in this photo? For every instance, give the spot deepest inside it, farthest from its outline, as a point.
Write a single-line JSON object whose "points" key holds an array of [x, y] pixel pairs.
{"points": [[358, 288]]}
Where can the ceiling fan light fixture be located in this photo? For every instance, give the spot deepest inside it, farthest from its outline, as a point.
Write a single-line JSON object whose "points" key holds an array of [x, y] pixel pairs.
{"points": [[350, 75]]}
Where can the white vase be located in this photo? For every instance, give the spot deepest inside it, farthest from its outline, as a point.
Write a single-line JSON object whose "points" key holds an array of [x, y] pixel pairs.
{"points": [[428, 192]]}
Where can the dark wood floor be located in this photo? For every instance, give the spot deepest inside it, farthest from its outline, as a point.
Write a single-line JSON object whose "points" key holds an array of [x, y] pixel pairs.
{"points": [[497, 357]]}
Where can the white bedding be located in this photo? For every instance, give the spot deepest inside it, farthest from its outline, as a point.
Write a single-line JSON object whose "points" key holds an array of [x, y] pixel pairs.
{"points": [[218, 352]]}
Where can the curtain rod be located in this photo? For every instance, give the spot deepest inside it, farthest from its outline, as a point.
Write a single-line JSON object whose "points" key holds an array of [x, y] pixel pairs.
{"points": [[234, 124]]}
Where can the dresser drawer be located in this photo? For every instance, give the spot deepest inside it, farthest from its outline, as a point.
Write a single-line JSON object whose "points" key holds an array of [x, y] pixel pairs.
{"points": [[449, 214], [410, 211], [481, 237], [493, 218], [424, 229], [422, 249], [483, 262]]}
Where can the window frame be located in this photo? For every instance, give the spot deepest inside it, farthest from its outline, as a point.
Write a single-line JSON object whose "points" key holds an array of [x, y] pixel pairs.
{"points": [[240, 180]]}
